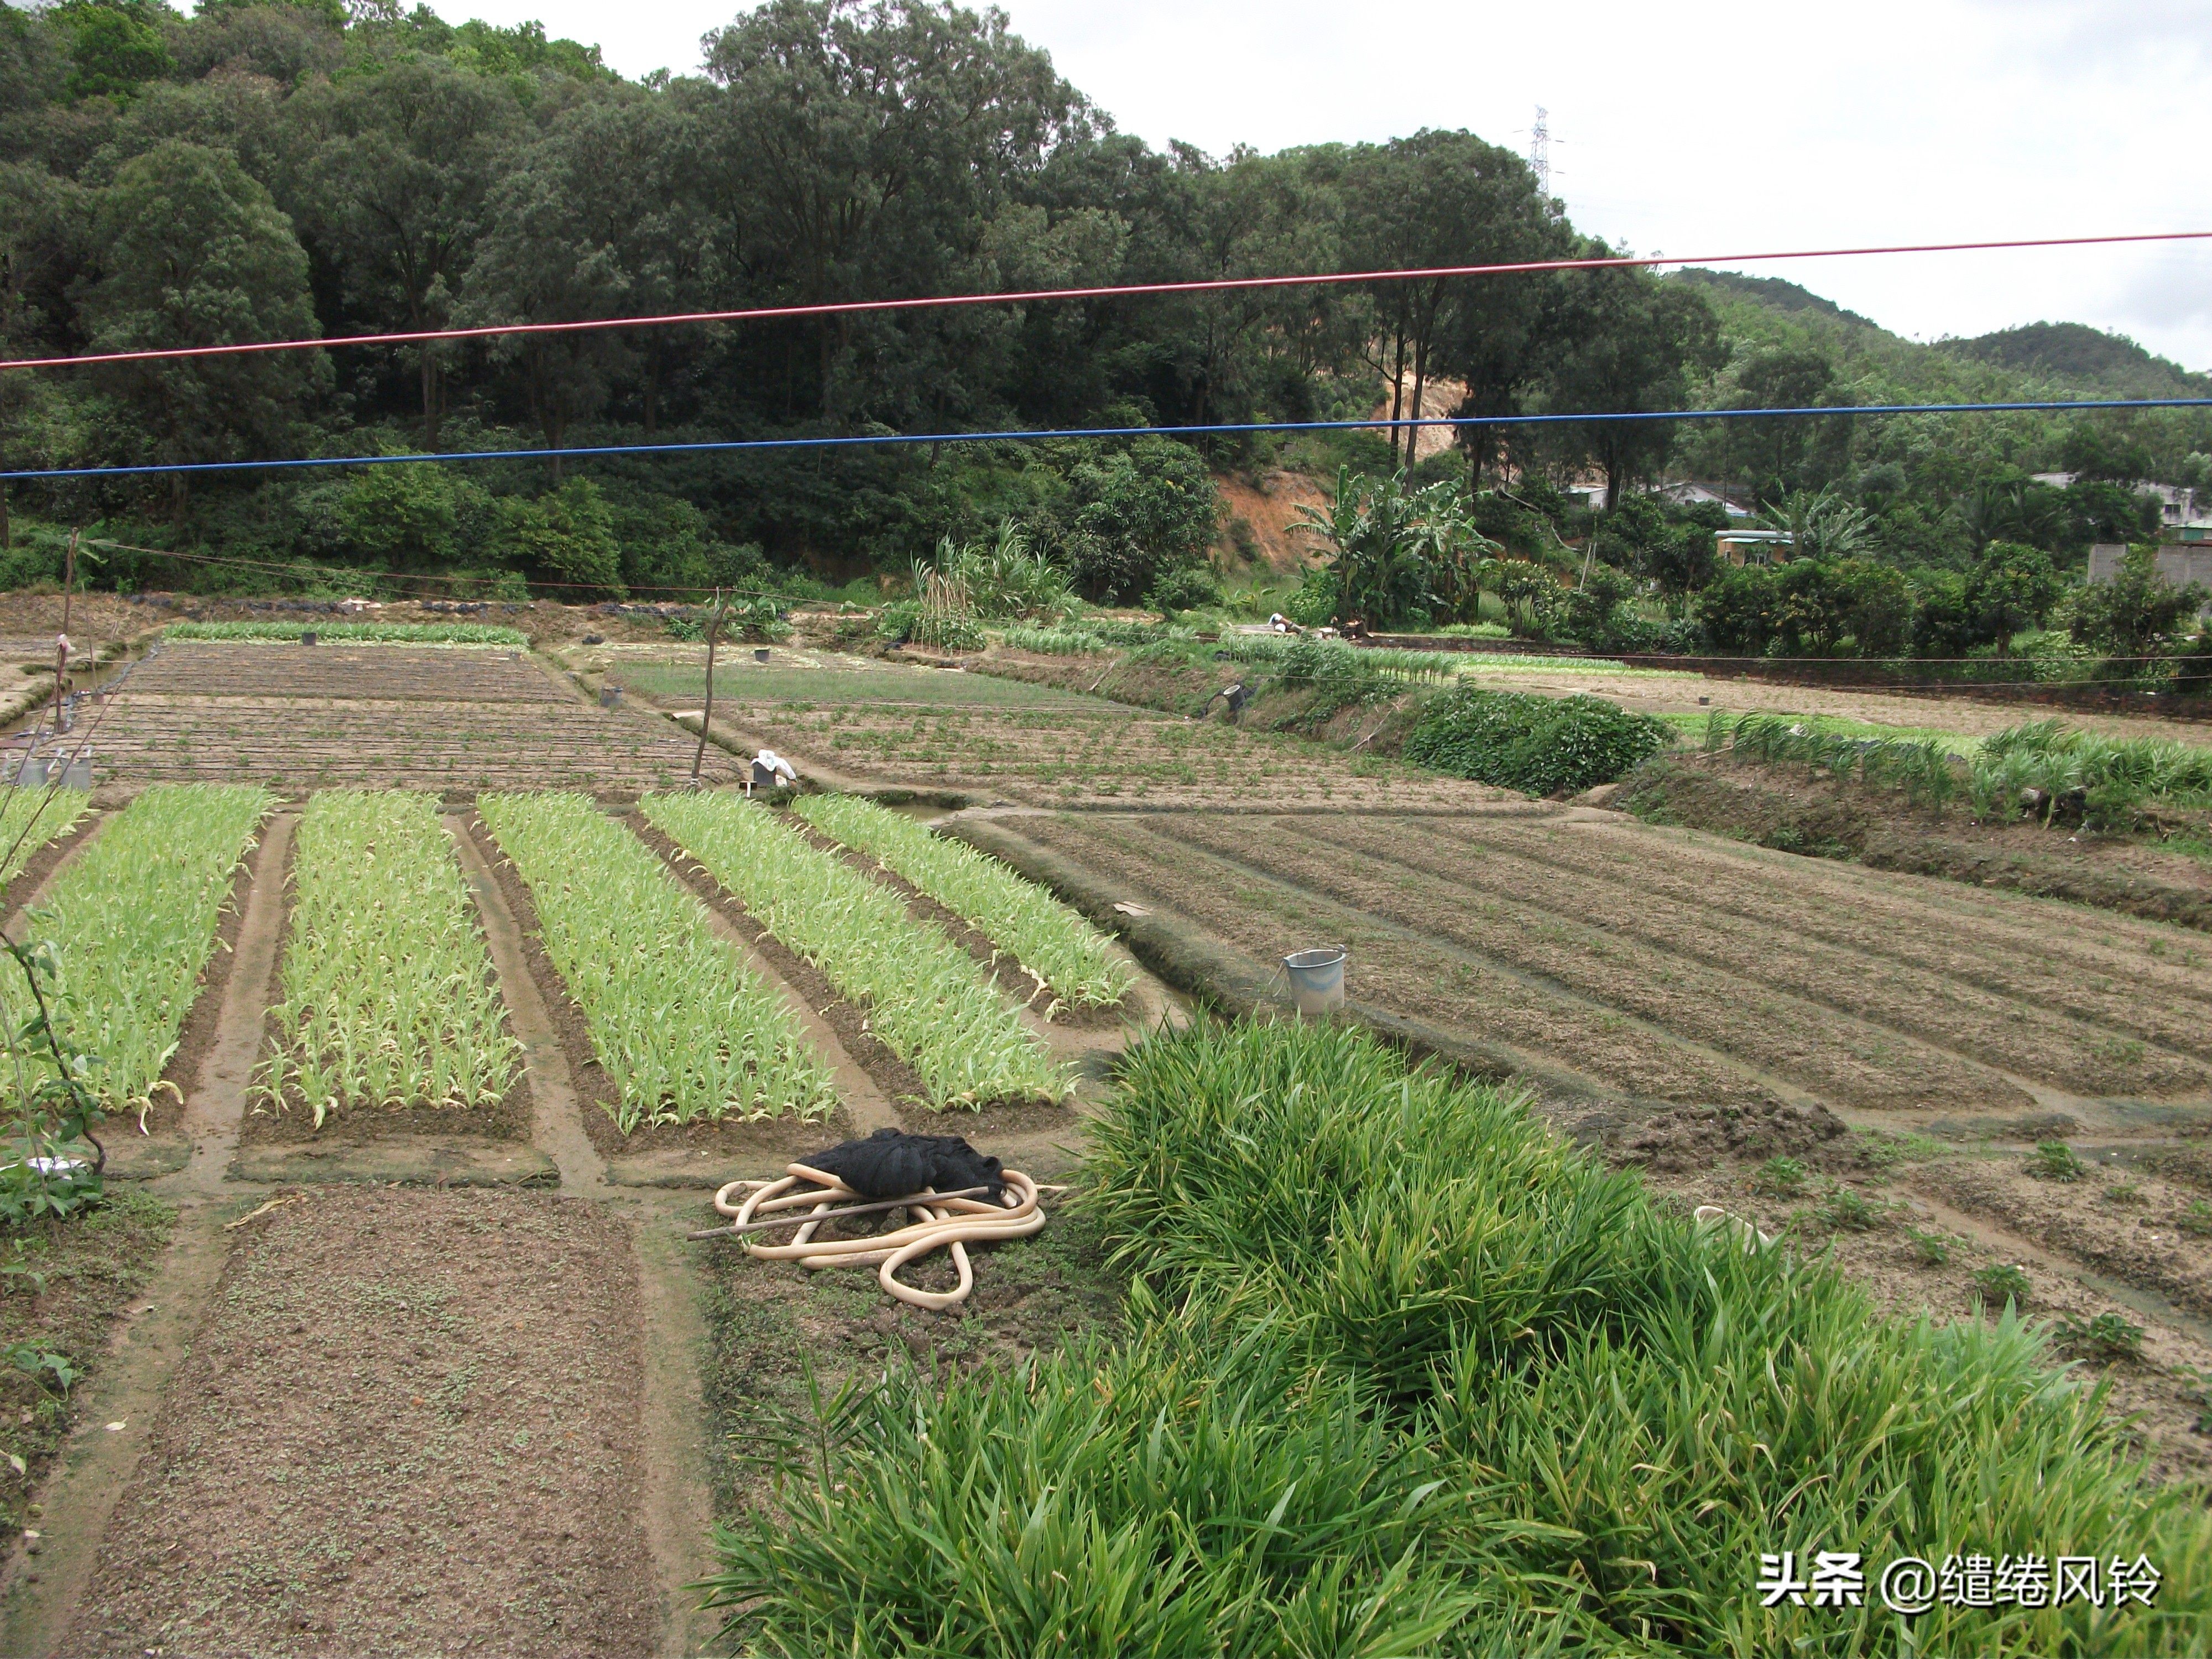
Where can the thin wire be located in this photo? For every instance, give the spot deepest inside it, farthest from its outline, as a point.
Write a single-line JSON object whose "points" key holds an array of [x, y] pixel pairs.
{"points": [[1217, 285], [894, 438]]}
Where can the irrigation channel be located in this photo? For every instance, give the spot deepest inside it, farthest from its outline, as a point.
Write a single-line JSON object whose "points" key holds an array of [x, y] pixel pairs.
{"points": [[441, 1372]]}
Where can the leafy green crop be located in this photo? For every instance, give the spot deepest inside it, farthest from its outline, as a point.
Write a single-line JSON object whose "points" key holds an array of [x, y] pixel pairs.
{"points": [[345, 633], [19, 808], [1409, 1374], [132, 919], [389, 997], [1053, 945], [683, 1028], [1539, 745], [926, 1001]]}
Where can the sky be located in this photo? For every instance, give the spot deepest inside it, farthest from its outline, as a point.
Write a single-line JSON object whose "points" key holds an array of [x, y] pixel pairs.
{"points": [[1707, 127]]}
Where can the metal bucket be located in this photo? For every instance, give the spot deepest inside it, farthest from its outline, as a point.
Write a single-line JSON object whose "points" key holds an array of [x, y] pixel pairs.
{"points": [[610, 696], [30, 773], [761, 655], [1316, 979], [77, 774], [307, 636]]}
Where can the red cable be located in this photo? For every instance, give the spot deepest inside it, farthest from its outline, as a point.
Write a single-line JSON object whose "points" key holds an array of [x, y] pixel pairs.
{"points": [[1213, 285]]}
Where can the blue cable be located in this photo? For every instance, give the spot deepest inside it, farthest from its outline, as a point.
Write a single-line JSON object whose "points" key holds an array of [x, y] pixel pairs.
{"points": [[886, 439]]}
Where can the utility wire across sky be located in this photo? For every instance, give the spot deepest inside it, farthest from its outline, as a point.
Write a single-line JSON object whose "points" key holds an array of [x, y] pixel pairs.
{"points": [[1215, 285], [888, 439]]}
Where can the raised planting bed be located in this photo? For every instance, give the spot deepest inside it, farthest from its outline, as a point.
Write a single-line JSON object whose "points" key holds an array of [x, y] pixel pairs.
{"points": [[926, 999], [1106, 759], [1506, 1023], [388, 1007], [133, 919], [30, 821], [684, 1030], [1051, 943], [310, 741], [426, 674]]}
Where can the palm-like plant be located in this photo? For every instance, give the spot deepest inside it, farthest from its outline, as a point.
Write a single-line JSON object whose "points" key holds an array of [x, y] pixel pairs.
{"points": [[1399, 554], [1822, 525]]}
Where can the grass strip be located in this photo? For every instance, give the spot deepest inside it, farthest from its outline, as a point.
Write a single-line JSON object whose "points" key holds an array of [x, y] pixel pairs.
{"points": [[389, 996], [353, 633], [1053, 945], [927, 999], [683, 1028], [133, 922], [19, 806], [1403, 1360]]}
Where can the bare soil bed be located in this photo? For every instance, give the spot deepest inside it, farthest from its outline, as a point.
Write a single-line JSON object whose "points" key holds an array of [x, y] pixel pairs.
{"points": [[1780, 808], [1527, 1024], [257, 668], [388, 1415], [316, 742], [1117, 757], [1675, 968]]}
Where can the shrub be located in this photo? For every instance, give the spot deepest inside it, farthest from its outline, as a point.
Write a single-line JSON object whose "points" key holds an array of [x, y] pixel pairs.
{"points": [[1933, 1249], [1539, 745], [1184, 588], [2005, 1280]]}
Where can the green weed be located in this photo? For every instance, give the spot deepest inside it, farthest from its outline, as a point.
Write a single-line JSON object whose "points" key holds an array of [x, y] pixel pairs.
{"points": [[2005, 1281], [2054, 1160], [2107, 1334]]}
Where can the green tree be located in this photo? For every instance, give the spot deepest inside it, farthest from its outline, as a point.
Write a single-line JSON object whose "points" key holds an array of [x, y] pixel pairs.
{"points": [[1630, 342], [2010, 588], [194, 252], [1399, 555], [115, 46], [1136, 512], [1736, 612], [570, 532], [2137, 613], [396, 167]]}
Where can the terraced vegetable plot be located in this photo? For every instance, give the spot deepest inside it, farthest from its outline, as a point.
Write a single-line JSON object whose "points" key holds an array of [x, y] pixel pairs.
{"points": [[194, 668], [927, 999], [1658, 965], [680, 682], [1076, 757], [388, 997], [455, 718], [134, 920], [681, 1026], [1054, 945]]}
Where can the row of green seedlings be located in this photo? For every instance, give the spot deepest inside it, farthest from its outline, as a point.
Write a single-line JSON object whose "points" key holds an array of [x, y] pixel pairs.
{"points": [[353, 633], [1086, 638], [389, 998], [685, 1029], [132, 920], [1403, 1373], [1064, 954], [928, 1000], [1923, 770], [33, 820]]}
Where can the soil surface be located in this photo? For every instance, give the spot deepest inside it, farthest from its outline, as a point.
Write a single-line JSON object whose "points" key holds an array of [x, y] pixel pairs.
{"points": [[1782, 808], [69, 1282], [389, 1417]]}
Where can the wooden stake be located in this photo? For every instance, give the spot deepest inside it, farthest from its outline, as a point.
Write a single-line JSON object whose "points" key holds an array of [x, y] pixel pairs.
{"points": [[61, 649], [707, 715]]}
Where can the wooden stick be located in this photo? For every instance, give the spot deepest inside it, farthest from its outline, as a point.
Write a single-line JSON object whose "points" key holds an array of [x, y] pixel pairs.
{"points": [[707, 715], [799, 1217]]}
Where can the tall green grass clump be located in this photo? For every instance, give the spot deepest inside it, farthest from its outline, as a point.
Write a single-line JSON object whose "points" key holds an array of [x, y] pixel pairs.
{"points": [[1922, 768], [2114, 781], [1584, 1419], [1539, 745]]}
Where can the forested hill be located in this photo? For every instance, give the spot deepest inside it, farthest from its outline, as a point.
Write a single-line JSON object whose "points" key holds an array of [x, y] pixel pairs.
{"points": [[257, 171], [2039, 360]]}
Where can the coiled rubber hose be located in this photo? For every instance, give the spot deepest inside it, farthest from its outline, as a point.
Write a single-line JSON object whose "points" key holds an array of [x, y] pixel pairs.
{"points": [[947, 1223]]}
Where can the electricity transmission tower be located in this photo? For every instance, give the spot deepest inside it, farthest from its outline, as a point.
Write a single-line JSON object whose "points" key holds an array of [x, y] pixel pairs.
{"points": [[1540, 151]]}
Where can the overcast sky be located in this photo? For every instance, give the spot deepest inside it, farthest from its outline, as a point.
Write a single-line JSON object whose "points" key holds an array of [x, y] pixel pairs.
{"points": [[1708, 127]]}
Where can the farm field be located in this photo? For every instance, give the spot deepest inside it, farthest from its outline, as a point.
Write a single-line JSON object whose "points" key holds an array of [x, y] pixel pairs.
{"points": [[419, 1394], [445, 719]]}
